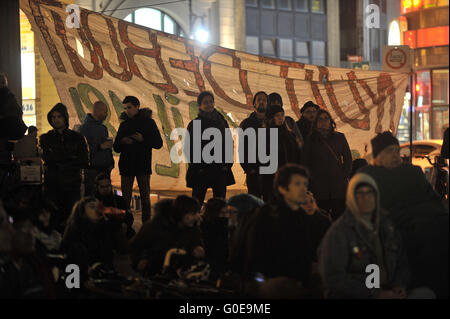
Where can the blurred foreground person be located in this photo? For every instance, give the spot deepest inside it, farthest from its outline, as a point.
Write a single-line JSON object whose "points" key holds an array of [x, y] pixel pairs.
{"points": [[279, 249], [364, 236], [175, 225], [416, 210]]}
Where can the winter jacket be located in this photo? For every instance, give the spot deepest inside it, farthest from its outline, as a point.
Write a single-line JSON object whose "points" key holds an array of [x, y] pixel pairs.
{"points": [[49, 241], [288, 149], [202, 173], [96, 133], [420, 215], [329, 171], [318, 224], [64, 155], [290, 122], [351, 244], [278, 243], [216, 240], [255, 123], [445, 146], [136, 159]]}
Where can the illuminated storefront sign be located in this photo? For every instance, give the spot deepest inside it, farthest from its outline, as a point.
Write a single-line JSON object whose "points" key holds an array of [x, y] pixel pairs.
{"points": [[429, 37], [407, 6]]}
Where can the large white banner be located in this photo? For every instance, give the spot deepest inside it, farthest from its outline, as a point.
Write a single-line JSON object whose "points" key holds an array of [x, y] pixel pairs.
{"points": [[104, 58]]}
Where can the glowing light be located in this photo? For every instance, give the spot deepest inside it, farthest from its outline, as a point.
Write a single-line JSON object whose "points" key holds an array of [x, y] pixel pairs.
{"points": [[417, 87], [394, 34], [202, 35]]}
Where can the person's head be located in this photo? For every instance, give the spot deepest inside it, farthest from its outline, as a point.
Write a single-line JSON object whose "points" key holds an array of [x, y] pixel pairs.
{"points": [[362, 196], [386, 150], [310, 205], [214, 209], [100, 111], [274, 99], [44, 214], [260, 102], [291, 184], [205, 101], [357, 164], [309, 111], [131, 106], [32, 131], [3, 80], [58, 117], [324, 122], [85, 210], [103, 185], [275, 115], [185, 211], [245, 204]]}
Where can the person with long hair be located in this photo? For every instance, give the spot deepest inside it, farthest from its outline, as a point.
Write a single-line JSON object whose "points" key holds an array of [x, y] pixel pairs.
{"points": [[328, 157]]}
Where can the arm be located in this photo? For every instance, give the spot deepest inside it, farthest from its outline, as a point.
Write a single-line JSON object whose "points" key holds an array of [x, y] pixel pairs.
{"points": [[117, 146], [152, 136]]}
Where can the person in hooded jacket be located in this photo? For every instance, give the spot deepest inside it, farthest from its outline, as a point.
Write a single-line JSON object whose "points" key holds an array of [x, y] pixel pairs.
{"points": [[100, 146], [175, 225], [309, 112], [328, 157], [364, 235], [254, 121], [288, 147], [135, 139], [202, 175], [64, 153]]}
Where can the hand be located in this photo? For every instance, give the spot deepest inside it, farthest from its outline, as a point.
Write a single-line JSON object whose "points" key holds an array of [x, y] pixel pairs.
{"points": [[198, 252], [138, 137], [106, 145], [400, 291], [126, 140]]}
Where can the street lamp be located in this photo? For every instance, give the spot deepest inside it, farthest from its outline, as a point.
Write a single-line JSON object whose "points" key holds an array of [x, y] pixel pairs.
{"points": [[200, 33]]}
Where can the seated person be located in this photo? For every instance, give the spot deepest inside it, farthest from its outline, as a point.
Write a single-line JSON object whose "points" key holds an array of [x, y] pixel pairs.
{"points": [[48, 239], [173, 226], [104, 193], [91, 238], [364, 235]]}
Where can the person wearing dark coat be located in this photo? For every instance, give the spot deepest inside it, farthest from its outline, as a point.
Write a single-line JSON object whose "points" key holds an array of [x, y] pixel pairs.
{"points": [[445, 146], [135, 139], [12, 127], [328, 157], [100, 145], [416, 210], [175, 225], [278, 239], [90, 238], [202, 175], [254, 121], [365, 236], [288, 148], [309, 112], [64, 153]]}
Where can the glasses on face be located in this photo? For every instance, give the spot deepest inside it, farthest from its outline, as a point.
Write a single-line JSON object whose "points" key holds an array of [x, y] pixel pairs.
{"points": [[361, 194]]}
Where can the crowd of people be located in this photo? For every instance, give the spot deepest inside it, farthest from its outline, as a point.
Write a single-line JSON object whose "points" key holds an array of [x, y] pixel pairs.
{"points": [[308, 231]]}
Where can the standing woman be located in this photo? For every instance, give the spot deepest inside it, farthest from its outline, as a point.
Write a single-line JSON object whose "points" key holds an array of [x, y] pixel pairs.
{"points": [[217, 174], [329, 160]]}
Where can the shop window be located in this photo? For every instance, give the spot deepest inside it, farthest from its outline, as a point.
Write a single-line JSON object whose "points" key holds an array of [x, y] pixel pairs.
{"points": [[423, 89], [440, 121], [440, 86], [422, 124]]}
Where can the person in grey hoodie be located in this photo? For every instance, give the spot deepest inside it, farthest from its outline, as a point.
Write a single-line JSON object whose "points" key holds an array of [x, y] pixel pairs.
{"points": [[364, 236], [100, 146]]}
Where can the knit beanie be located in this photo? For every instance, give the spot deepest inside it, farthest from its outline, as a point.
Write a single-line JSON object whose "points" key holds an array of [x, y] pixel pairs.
{"points": [[308, 105], [381, 141], [272, 110]]}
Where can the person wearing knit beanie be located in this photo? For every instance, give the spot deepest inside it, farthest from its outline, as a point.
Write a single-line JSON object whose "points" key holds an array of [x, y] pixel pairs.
{"points": [[386, 150], [272, 110]]}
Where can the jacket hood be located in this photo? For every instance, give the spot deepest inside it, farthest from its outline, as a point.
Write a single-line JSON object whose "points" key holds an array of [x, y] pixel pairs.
{"points": [[145, 113], [62, 109], [352, 206]]}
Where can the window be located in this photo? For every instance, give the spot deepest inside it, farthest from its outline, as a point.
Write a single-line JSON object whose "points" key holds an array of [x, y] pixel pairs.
{"points": [[284, 4], [302, 52], [440, 86], [375, 45], [267, 4], [252, 44], [269, 47], [301, 5], [440, 121], [251, 3], [155, 19], [286, 49], [318, 6], [422, 89], [318, 53]]}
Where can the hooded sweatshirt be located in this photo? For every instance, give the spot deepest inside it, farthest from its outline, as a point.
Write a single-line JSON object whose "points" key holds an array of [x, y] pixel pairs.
{"points": [[352, 243]]}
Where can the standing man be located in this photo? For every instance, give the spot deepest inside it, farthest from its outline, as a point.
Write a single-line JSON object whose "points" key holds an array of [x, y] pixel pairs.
{"points": [[137, 136], [100, 146], [64, 153], [254, 121], [309, 112]]}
